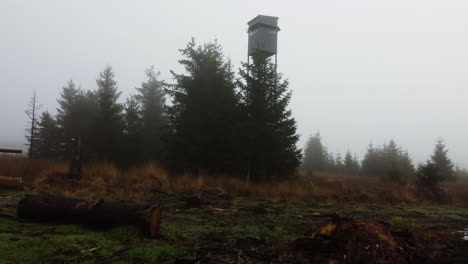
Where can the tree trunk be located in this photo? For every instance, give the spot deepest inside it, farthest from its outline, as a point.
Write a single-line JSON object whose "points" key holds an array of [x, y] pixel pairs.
{"points": [[94, 214], [11, 183]]}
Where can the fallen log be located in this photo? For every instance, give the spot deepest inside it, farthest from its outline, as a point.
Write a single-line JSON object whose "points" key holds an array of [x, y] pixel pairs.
{"points": [[16, 151], [11, 183], [94, 214]]}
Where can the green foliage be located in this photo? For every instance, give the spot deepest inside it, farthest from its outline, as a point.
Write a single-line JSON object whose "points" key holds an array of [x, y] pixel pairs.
{"points": [[204, 115], [390, 162], [48, 136], [315, 155], [461, 174], [269, 129], [404, 224], [108, 126], [151, 101], [76, 113], [316, 158], [441, 160], [351, 164], [132, 130], [428, 174]]}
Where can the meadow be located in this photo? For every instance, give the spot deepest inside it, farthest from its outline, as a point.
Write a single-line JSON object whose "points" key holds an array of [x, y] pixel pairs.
{"points": [[234, 224]]}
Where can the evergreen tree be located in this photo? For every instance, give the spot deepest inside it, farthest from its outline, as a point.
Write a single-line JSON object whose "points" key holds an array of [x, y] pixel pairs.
{"points": [[204, 116], [442, 162], [108, 124], [461, 174], [132, 118], [389, 162], [428, 175], [132, 131], [315, 155], [270, 129], [370, 163], [32, 113], [151, 98], [351, 164], [339, 164], [75, 117], [48, 135]]}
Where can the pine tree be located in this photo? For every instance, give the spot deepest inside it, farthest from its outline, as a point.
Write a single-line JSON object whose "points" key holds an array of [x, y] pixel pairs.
{"points": [[351, 164], [315, 155], [390, 162], [270, 129], [108, 124], [151, 98], [330, 162], [48, 135], [132, 118], [339, 164], [132, 131], [32, 113], [442, 162], [203, 134], [75, 117], [370, 163]]}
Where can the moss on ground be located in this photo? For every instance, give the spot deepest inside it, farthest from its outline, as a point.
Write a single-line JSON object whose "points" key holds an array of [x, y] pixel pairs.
{"points": [[184, 232]]}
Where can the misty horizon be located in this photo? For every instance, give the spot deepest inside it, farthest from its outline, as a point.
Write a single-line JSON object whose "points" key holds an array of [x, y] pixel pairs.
{"points": [[359, 73]]}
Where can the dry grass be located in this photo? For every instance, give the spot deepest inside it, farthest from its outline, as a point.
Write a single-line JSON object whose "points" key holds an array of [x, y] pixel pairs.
{"points": [[148, 181]]}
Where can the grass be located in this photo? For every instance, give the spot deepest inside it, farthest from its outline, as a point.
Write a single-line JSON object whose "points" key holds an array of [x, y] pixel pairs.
{"points": [[145, 182], [258, 215], [404, 224], [42, 243], [199, 231], [152, 254]]}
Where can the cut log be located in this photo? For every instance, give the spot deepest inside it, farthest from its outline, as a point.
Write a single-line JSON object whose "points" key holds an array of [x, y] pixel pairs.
{"points": [[11, 183], [94, 214], [16, 151], [11, 179]]}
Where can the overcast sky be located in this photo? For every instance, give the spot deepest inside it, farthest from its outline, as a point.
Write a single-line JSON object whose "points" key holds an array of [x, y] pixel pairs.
{"points": [[360, 71]]}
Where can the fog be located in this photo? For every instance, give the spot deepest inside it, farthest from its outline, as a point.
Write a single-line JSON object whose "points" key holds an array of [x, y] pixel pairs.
{"points": [[360, 71]]}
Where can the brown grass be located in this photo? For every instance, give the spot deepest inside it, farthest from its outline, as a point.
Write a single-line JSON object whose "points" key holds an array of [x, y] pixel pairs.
{"points": [[148, 181]]}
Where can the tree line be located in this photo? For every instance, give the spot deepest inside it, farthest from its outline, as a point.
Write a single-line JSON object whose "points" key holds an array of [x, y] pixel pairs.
{"points": [[389, 161], [210, 119]]}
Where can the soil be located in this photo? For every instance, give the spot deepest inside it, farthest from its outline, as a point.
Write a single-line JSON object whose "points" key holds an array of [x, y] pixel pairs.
{"points": [[223, 229]]}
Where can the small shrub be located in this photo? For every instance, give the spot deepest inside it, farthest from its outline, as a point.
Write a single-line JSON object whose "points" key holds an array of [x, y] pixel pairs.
{"points": [[428, 175]]}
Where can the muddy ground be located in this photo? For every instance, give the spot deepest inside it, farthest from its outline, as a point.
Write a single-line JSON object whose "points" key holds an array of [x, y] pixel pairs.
{"points": [[223, 229]]}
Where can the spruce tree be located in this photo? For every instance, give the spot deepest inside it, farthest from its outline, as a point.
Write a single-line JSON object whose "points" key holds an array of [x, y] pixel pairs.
{"points": [[133, 127], [390, 162], [151, 99], [270, 130], [75, 117], [32, 112], [48, 136], [339, 164], [203, 134], [108, 124], [370, 163], [442, 162], [351, 164], [315, 155]]}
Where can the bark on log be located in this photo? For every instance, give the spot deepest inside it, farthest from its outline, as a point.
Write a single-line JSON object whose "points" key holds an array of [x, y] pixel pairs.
{"points": [[11, 183], [17, 151], [94, 214]]}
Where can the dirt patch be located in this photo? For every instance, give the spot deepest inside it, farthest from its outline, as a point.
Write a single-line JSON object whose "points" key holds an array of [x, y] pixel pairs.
{"points": [[349, 241]]}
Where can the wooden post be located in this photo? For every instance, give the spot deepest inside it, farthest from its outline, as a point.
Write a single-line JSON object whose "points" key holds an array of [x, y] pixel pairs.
{"points": [[75, 169]]}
